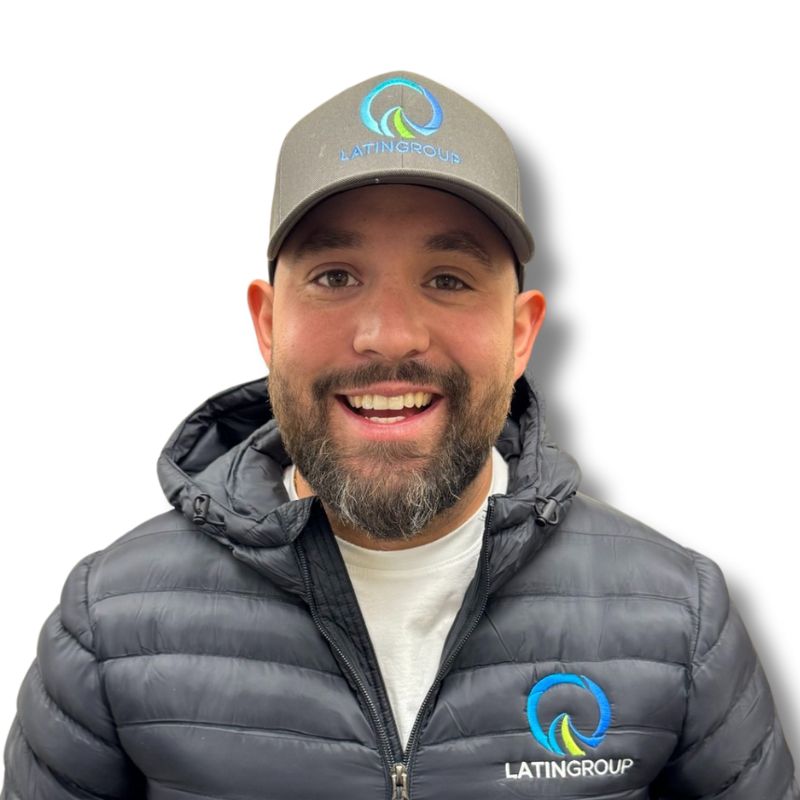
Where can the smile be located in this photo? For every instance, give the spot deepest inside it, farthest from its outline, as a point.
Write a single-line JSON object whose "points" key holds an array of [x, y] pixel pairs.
{"points": [[382, 409]]}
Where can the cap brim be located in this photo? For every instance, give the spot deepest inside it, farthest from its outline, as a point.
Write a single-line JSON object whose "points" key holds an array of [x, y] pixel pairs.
{"points": [[510, 224]]}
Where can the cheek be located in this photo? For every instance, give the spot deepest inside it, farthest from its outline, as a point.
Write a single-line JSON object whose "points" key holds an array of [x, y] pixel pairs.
{"points": [[304, 340], [484, 344]]}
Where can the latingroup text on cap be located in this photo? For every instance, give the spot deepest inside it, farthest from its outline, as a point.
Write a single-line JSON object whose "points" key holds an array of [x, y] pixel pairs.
{"points": [[397, 126]]}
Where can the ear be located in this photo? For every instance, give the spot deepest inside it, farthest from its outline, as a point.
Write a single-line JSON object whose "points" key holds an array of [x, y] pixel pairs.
{"points": [[260, 298], [529, 311]]}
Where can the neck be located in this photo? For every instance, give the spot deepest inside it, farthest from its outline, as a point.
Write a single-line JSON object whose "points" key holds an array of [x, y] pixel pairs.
{"points": [[446, 522]]}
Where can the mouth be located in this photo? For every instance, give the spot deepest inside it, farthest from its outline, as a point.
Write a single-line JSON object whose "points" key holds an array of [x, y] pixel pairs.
{"points": [[381, 409]]}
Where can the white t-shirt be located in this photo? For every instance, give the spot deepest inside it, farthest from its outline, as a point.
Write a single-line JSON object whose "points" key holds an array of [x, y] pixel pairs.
{"points": [[409, 599]]}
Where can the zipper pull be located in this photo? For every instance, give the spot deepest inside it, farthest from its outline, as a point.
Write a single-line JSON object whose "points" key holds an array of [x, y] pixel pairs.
{"points": [[400, 782]]}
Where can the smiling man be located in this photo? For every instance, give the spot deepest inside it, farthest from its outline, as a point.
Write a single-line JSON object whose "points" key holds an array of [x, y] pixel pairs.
{"points": [[380, 577], [394, 334]]}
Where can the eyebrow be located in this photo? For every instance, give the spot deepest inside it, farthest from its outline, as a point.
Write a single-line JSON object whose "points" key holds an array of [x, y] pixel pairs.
{"points": [[456, 240], [327, 239], [461, 242]]}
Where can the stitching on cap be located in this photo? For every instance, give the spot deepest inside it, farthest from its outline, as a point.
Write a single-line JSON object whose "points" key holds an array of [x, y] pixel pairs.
{"points": [[403, 106]]}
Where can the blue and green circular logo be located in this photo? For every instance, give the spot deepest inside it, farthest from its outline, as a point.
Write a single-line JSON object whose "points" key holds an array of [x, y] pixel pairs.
{"points": [[561, 733], [395, 121]]}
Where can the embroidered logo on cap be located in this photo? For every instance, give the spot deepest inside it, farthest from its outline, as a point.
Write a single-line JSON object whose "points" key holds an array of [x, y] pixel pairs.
{"points": [[561, 733], [396, 116]]}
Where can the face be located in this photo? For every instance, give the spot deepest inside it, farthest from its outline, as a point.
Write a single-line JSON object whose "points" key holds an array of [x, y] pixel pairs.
{"points": [[393, 334]]}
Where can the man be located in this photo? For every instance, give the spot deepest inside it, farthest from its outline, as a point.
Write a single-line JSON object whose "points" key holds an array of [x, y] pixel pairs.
{"points": [[381, 579]]}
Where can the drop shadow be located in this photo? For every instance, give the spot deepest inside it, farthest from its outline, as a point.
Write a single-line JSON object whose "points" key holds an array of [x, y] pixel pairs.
{"points": [[777, 673], [551, 351]]}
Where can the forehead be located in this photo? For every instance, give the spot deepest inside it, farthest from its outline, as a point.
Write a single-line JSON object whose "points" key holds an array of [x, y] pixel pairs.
{"points": [[416, 214]]}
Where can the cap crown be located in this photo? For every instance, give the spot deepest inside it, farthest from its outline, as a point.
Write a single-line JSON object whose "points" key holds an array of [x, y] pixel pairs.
{"points": [[399, 127]]}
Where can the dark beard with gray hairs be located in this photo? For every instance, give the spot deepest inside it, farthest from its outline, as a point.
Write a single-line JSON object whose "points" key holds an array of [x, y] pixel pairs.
{"points": [[405, 489]]}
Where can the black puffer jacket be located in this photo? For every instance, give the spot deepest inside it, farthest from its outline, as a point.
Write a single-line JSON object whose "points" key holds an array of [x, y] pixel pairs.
{"points": [[217, 651]]}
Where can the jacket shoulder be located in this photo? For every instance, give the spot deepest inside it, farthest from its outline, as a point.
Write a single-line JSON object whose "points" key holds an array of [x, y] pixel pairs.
{"points": [[598, 551], [601, 527], [166, 587], [74, 609], [166, 553], [588, 516]]}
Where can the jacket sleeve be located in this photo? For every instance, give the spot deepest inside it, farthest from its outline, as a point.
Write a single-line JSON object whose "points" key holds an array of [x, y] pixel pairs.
{"points": [[731, 745], [63, 743]]}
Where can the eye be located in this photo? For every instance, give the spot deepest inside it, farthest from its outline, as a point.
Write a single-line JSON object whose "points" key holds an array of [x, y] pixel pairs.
{"points": [[335, 279], [448, 283]]}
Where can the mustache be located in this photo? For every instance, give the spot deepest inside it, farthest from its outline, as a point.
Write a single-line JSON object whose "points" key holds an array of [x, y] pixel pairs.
{"points": [[452, 382]]}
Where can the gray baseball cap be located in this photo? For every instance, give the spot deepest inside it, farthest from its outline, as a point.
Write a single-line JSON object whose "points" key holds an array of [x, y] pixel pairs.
{"points": [[399, 127]]}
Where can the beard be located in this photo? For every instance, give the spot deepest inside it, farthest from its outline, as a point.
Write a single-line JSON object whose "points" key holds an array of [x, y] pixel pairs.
{"points": [[399, 487]]}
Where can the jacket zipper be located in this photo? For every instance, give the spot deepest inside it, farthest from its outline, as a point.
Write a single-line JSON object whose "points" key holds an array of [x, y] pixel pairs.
{"points": [[397, 778], [399, 771], [402, 771], [399, 782]]}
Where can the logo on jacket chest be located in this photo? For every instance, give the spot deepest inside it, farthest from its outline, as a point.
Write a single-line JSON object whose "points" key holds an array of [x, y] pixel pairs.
{"points": [[558, 709]]}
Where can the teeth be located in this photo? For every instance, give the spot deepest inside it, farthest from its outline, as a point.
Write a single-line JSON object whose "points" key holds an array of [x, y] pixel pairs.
{"points": [[395, 402], [385, 420]]}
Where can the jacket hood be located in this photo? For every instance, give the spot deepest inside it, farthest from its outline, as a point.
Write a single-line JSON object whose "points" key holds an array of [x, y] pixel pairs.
{"points": [[223, 469]]}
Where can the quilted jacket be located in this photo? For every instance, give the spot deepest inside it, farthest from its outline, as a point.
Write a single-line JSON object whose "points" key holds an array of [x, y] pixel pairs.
{"points": [[217, 651]]}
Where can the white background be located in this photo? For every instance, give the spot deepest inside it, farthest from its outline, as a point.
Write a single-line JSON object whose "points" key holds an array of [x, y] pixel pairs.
{"points": [[659, 148]]}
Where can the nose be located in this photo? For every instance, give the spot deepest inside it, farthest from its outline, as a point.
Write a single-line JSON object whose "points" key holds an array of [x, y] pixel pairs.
{"points": [[390, 323]]}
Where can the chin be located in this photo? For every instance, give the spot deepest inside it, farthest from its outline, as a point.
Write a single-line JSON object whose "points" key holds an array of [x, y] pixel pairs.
{"points": [[385, 470]]}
